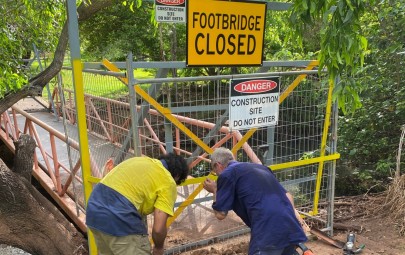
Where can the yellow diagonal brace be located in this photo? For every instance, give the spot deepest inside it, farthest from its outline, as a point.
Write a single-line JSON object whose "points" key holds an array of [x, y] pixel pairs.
{"points": [[164, 111], [93, 179], [110, 66], [189, 200], [283, 96], [297, 81], [243, 140]]}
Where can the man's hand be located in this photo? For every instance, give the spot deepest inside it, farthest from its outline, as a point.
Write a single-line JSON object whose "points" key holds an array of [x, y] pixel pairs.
{"points": [[158, 251], [210, 185]]}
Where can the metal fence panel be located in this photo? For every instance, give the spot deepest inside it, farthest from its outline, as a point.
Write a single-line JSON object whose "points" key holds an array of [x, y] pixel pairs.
{"points": [[190, 117]]}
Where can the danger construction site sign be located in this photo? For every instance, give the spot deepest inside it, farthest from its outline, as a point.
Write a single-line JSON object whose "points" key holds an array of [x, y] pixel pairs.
{"points": [[224, 33], [170, 11], [254, 102]]}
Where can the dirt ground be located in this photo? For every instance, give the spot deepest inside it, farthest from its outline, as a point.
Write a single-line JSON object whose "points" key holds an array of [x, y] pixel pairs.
{"points": [[379, 234]]}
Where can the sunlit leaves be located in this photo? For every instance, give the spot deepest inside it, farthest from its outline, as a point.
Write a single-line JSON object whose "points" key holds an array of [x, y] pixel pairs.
{"points": [[343, 47], [346, 94], [10, 82], [132, 4], [23, 24]]}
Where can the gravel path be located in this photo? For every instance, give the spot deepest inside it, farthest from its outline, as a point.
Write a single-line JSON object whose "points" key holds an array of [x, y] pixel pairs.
{"points": [[8, 250]]}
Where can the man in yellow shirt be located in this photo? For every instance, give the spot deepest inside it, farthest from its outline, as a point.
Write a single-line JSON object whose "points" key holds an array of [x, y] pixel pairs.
{"points": [[118, 205]]}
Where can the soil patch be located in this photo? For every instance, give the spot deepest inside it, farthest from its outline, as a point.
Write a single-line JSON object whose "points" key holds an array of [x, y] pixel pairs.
{"points": [[380, 235]]}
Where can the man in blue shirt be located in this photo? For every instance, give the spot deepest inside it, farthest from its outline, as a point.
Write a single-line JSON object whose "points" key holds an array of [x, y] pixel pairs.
{"points": [[255, 195]]}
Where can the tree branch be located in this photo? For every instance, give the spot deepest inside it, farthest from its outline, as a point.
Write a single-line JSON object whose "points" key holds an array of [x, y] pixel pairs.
{"points": [[36, 84]]}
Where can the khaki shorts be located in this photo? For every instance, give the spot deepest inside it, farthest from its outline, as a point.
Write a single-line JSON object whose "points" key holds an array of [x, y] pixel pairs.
{"points": [[121, 245]]}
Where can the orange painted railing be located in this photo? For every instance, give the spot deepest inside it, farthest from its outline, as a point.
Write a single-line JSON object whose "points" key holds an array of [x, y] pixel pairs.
{"points": [[111, 137], [49, 174]]}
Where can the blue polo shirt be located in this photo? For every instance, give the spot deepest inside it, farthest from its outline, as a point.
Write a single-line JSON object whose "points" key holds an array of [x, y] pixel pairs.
{"points": [[256, 196]]}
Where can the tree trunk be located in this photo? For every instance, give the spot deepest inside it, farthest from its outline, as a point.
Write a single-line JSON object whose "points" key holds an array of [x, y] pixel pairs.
{"points": [[27, 219], [24, 149]]}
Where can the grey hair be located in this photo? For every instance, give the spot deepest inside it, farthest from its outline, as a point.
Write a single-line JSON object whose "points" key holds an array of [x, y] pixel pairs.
{"points": [[222, 155]]}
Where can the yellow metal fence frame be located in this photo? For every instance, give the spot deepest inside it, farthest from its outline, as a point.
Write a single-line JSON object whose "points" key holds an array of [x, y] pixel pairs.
{"points": [[276, 167]]}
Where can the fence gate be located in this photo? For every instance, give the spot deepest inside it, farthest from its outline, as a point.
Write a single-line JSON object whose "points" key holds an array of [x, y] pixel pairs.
{"points": [[189, 116]]}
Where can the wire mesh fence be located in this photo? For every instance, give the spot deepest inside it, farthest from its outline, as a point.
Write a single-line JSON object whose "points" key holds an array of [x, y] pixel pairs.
{"points": [[185, 115]]}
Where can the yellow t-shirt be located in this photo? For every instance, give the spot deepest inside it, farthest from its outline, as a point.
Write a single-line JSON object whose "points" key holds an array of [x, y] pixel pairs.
{"points": [[145, 182]]}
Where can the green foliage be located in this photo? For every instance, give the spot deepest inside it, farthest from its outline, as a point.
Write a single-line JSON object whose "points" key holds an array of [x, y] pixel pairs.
{"points": [[346, 92], [368, 139], [114, 32], [10, 82], [310, 154], [349, 182], [275, 44], [23, 24], [343, 47], [202, 169]]}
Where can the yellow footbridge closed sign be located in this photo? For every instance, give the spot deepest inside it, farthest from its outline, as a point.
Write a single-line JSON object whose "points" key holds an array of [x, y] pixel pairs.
{"points": [[224, 33]]}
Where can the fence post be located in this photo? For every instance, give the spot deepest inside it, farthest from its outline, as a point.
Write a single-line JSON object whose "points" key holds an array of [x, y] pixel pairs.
{"points": [[81, 114], [133, 105]]}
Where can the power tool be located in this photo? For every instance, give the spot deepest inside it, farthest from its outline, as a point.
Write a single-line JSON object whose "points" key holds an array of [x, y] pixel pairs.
{"points": [[349, 248]]}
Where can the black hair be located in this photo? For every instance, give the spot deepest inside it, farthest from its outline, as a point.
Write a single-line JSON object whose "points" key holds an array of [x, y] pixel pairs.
{"points": [[177, 166]]}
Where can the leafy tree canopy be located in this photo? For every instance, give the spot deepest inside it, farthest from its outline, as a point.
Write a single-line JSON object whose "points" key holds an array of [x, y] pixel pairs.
{"points": [[115, 31], [23, 24], [343, 45]]}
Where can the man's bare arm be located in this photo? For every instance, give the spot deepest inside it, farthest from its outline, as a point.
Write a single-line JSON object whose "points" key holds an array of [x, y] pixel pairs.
{"points": [[159, 230]]}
